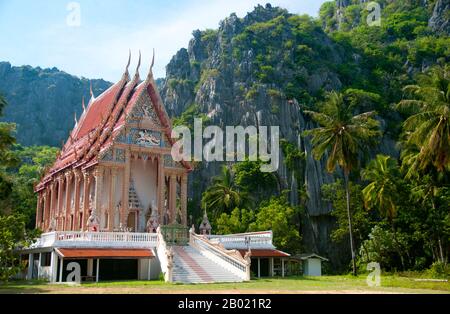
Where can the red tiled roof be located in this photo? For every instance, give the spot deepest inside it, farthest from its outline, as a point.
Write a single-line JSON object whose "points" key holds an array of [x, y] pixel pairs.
{"points": [[97, 109], [92, 134], [265, 253], [105, 253]]}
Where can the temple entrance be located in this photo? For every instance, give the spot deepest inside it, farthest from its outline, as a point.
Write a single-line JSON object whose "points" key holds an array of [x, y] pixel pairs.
{"points": [[132, 221]]}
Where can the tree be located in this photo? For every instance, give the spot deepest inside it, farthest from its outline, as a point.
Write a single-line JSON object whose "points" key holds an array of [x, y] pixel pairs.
{"points": [[238, 221], [249, 177], [428, 127], [362, 222], [12, 236], [277, 215], [8, 160], [382, 192], [344, 137], [224, 195], [34, 161]]}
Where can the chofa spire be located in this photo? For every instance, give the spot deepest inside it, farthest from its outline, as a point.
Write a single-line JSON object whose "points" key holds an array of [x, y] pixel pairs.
{"points": [[91, 92], [150, 72], [126, 74], [136, 75]]}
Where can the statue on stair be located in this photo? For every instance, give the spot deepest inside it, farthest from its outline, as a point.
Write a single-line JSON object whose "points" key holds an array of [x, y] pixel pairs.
{"points": [[205, 226], [153, 221]]}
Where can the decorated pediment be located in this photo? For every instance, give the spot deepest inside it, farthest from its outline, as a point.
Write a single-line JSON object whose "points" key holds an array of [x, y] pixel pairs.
{"points": [[144, 110], [142, 137]]}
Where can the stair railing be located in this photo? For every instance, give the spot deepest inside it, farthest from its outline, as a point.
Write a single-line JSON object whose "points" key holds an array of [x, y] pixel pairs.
{"points": [[231, 260], [165, 256]]}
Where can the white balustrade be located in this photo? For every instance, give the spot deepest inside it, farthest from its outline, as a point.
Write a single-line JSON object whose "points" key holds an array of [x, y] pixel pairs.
{"points": [[229, 259], [68, 239], [257, 240], [161, 252]]}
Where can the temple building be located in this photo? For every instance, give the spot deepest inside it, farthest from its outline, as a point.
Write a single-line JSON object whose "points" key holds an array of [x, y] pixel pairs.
{"points": [[113, 206], [116, 171]]}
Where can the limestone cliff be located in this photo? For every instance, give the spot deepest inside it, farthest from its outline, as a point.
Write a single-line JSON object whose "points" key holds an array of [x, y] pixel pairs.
{"points": [[42, 102]]}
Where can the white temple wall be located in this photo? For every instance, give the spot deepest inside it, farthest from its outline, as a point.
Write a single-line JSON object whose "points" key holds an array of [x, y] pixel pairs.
{"points": [[118, 197], [144, 174], [144, 273], [81, 190], [104, 200]]}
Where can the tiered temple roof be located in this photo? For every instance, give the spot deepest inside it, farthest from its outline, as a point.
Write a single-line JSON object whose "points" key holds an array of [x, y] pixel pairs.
{"points": [[103, 120]]}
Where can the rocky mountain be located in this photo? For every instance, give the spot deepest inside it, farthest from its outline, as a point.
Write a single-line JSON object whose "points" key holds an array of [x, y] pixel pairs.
{"points": [[264, 70], [260, 70], [42, 102], [346, 14], [440, 20]]}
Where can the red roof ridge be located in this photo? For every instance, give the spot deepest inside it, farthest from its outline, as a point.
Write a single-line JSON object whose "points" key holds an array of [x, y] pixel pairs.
{"points": [[104, 118]]}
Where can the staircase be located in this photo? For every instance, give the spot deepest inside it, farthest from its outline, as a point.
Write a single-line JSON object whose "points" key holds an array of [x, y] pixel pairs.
{"points": [[133, 199], [190, 266]]}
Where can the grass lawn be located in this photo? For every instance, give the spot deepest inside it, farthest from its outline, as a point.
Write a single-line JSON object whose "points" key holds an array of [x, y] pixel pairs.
{"points": [[325, 284]]}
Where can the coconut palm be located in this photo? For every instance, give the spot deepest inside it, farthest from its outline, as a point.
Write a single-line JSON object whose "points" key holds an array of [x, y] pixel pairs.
{"points": [[381, 192], [343, 137], [224, 195], [428, 127]]}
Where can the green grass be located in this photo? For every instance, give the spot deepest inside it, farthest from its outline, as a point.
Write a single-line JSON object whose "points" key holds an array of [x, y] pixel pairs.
{"points": [[333, 284]]}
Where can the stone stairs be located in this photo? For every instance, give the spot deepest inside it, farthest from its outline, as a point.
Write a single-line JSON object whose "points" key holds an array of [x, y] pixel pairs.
{"points": [[190, 266]]}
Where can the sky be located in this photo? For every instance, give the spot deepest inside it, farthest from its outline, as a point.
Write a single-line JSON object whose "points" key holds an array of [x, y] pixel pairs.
{"points": [[92, 38]]}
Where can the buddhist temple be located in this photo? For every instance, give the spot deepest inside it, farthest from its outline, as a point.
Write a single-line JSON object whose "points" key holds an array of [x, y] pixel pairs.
{"points": [[113, 206], [115, 170]]}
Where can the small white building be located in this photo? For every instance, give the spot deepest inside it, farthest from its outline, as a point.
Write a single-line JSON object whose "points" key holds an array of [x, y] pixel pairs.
{"points": [[312, 264]]}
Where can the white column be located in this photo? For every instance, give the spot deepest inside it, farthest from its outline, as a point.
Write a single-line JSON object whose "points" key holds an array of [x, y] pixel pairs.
{"points": [[39, 266], [259, 268], [112, 195], [184, 180], [90, 267], [30, 266], [172, 198], [161, 187], [149, 275], [54, 267], [98, 269], [271, 266], [61, 260], [282, 267], [98, 191]]}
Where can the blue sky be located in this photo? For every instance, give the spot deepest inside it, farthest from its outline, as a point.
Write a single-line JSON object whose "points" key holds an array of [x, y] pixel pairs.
{"points": [[37, 33]]}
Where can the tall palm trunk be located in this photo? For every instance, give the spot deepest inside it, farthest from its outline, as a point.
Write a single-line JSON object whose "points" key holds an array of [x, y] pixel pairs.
{"points": [[350, 227]]}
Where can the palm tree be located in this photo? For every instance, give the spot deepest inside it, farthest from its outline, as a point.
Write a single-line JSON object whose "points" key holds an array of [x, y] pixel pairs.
{"points": [[224, 195], [382, 192], [428, 128], [343, 136]]}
